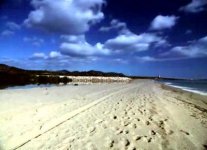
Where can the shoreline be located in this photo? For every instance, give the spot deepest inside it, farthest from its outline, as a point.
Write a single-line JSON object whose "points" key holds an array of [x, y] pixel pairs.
{"points": [[190, 94], [194, 100], [186, 89]]}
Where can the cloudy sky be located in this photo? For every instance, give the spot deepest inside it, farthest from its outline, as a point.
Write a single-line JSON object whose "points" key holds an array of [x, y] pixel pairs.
{"points": [[135, 37]]}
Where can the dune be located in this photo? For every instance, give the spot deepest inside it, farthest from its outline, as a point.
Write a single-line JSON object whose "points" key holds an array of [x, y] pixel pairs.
{"points": [[140, 114]]}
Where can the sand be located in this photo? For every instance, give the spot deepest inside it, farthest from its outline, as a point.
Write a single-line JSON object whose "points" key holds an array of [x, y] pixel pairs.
{"points": [[141, 114], [91, 79]]}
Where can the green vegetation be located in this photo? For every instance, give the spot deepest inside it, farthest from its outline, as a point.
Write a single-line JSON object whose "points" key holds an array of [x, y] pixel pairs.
{"points": [[13, 79]]}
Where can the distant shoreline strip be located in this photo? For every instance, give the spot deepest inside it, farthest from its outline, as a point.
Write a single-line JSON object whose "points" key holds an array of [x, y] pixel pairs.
{"points": [[186, 89]]}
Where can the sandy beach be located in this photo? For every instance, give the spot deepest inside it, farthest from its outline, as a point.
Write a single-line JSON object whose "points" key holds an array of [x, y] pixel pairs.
{"points": [[138, 115]]}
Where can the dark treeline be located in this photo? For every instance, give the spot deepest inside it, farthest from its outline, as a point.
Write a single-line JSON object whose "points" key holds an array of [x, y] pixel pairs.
{"points": [[79, 73], [12, 76], [9, 79]]}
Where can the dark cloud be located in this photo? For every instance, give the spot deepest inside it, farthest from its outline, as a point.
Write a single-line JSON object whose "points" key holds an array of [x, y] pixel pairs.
{"points": [[195, 49], [115, 24], [7, 33], [195, 6], [13, 26]]}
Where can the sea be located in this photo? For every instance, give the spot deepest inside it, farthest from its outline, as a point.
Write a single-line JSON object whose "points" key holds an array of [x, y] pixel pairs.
{"points": [[195, 86]]}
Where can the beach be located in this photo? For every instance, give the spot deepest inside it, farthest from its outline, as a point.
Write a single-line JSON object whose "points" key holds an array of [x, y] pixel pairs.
{"points": [[135, 115]]}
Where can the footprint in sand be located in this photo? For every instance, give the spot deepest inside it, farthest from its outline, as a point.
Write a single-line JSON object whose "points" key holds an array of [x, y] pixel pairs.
{"points": [[126, 131], [161, 124], [132, 148], [149, 140], [205, 146], [125, 142], [140, 111], [185, 132], [152, 132], [119, 132], [137, 138], [125, 123], [91, 130], [98, 121], [109, 142], [134, 126], [138, 119], [145, 138], [147, 123], [150, 118], [114, 117]]}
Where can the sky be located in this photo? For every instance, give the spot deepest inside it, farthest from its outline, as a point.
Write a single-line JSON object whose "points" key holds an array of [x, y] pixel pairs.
{"points": [[134, 37]]}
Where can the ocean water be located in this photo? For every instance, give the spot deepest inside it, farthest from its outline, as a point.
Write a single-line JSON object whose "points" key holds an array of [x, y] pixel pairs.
{"points": [[195, 86]]}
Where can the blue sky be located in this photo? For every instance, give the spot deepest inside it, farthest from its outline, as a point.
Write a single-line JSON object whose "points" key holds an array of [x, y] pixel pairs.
{"points": [[145, 38]]}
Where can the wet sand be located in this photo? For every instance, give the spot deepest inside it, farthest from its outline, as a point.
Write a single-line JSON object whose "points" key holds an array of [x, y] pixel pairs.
{"points": [[141, 114]]}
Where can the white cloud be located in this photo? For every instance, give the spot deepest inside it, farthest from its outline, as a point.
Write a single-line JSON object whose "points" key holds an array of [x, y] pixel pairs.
{"points": [[125, 42], [51, 55], [83, 49], [12, 26], [7, 33], [146, 59], [54, 54], [39, 56], [65, 16], [34, 40], [73, 38], [196, 49], [195, 6], [163, 22], [115, 24], [120, 60], [79, 47], [132, 42]]}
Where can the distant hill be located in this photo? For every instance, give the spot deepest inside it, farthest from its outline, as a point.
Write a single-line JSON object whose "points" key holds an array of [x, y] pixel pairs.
{"points": [[9, 69], [13, 70]]}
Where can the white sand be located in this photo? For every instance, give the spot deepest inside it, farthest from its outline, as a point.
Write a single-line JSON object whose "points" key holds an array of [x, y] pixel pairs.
{"points": [[136, 115], [91, 79]]}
